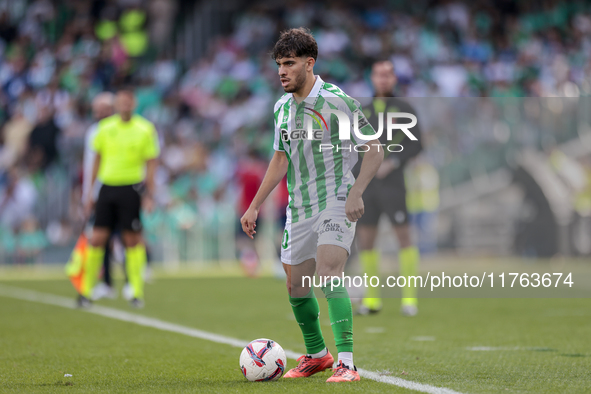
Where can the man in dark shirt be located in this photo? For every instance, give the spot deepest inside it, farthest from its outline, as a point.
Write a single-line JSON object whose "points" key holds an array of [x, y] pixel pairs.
{"points": [[386, 193], [43, 138]]}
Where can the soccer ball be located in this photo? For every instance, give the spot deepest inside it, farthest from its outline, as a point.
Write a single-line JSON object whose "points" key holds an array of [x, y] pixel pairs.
{"points": [[262, 360]]}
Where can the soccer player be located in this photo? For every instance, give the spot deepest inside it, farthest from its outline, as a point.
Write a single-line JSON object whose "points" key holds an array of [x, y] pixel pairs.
{"points": [[126, 147], [386, 194], [102, 107], [324, 199]]}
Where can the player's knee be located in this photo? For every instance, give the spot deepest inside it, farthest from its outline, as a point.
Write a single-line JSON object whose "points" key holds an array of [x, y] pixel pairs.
{"points": [[404, 238], [99, 238], [365, 244], [131, 239], [328, 270], [366, 236]]}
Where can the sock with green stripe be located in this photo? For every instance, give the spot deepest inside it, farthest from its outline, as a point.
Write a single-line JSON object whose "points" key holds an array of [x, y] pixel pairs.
{"points": [[369, 260], [135, 263], [340, 314], [94, 262], [306, 312], [409, 266]]}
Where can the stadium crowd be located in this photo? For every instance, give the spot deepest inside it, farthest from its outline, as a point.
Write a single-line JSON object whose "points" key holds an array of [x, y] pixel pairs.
{"points": [[56, 56]]}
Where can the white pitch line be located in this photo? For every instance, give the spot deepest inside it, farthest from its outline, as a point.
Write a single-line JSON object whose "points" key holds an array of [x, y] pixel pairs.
{"points": [[423, 339], [64, 302], [491, 348]]}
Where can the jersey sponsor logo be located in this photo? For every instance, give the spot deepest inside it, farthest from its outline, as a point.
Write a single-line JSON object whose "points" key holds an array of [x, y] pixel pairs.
{"points": [[327, 226], [307, 131], [300, 134]]}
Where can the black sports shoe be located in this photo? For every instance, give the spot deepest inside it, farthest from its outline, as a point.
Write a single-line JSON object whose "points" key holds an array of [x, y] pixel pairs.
{"points": [[83, 302], [137, 303]]}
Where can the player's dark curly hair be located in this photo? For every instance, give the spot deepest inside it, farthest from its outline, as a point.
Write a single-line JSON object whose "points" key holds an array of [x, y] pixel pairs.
{"points": [[295, 43]]}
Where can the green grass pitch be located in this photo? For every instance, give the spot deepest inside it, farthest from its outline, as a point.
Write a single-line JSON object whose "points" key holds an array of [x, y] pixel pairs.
{"points": [[532, 345]]}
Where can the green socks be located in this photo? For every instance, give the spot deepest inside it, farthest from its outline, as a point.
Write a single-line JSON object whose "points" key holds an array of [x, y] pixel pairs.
{"points": [[307, 313], [135, 263], [369, 260], [94, 262], [409, 266], [340, 314]]}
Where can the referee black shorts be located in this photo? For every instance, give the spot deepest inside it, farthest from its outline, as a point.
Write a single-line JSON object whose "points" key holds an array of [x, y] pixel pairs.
{"points": [[381, 199], [119, 207]]}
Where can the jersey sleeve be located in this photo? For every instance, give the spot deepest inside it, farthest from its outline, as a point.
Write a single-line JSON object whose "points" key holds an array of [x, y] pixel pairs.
{"points": [[278, 141], [96, 141], [365, 128], [152, 145]]}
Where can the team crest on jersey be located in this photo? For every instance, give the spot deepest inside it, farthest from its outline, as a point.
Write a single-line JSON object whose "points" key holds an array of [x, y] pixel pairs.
{"points": [[299, 123]]}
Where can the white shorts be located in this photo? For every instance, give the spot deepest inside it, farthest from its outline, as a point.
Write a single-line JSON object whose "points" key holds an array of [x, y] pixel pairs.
{"points": [[329, 227]]}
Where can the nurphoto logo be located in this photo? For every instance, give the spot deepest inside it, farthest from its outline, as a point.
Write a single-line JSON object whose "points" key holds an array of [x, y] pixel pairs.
{"points": [[316, 125]]}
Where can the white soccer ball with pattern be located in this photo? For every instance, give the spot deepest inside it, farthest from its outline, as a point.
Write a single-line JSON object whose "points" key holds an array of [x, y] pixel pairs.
{"points": [[262, 360]]}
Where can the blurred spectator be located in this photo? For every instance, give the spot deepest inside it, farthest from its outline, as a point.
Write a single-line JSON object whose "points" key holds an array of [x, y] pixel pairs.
{"points": [[17, 200], [15, 136], [43, 138]]}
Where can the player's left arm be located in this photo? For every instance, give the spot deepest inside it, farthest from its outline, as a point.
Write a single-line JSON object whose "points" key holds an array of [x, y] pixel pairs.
{"points": [[372, 159], [151, 166], [88, 201]]}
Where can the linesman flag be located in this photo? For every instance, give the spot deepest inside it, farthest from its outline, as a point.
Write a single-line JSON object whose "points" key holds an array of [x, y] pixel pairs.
{"points": [[76, 266]]}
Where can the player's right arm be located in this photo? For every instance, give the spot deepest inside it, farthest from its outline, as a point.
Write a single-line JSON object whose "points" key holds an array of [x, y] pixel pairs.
{"points": [[275, 173]]}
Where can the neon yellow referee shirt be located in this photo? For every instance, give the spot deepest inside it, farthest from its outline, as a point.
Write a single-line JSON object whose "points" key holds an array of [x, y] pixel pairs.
{"points": [[125, 147]]}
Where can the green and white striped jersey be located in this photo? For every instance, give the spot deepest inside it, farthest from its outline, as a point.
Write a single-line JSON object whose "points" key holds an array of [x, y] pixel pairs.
{"points": [[317, 177]]}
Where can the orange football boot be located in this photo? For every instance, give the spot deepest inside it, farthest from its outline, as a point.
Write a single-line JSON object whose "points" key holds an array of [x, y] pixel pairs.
{"points": [[344, 374], [308, 366]]}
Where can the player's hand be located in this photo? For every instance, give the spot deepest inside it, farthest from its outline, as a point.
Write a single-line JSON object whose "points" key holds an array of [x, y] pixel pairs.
{"points": [[148, 204], [88, 207], [249, 222], [385, 168], [354, 206]]}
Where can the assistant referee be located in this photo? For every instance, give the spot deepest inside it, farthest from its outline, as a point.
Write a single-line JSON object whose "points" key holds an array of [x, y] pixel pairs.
{"points": [[127, 148], [386, 194]]}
